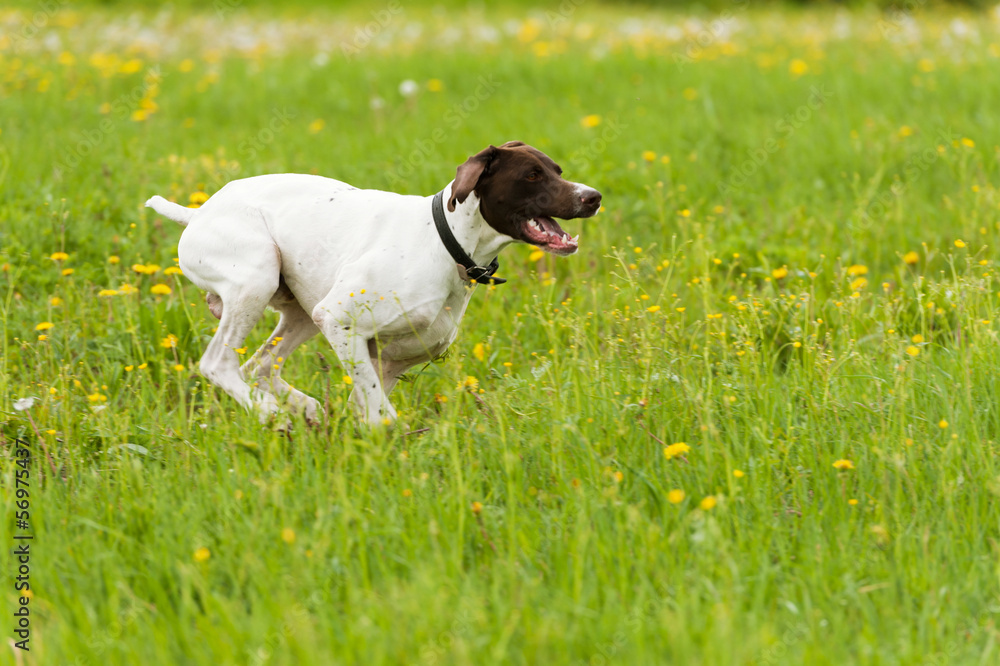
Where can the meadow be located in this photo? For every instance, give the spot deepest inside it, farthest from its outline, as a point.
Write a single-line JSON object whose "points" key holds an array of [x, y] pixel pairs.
{"points": [[752, 421]]}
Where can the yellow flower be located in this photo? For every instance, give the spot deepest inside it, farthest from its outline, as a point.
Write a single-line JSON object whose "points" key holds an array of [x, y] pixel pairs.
{"points": [[479, 351], [161, 289], [913, 351], [738, 474], [477, 508], [173, 270], [198, 197], [142, 366], [798, 67], [675, 450], [240, 350], [127, 289], [708, 503], [959, 243], [107, 292], [843, 464], [648, 155], [675, 496], [968, 143], [44, 326], [43, 338], [316, 126], [169, 342], [59, 256], [905, 131], [653, 308], [97, 397], [202, 554], [435, 85], [690, 94], [592, 120], [68, 271], [288, 535], [917, 339], [942, 424], [911, 257], [536, 255], [113, 259], [469, 382], [857, 269], [179, 367], [347, 380], [407, 492], [780, 273], [852, 502], [858, 283], [129, 368]]}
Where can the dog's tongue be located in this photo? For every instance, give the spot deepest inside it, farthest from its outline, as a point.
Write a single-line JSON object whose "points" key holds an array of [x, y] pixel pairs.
{"points": [[549, 236]]}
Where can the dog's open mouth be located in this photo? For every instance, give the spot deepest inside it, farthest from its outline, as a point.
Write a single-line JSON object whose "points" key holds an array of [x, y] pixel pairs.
{"points": [[549, 236]]}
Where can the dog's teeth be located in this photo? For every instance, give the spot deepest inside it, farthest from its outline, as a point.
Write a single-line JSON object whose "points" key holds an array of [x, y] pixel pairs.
{"points": [[576, 239]]}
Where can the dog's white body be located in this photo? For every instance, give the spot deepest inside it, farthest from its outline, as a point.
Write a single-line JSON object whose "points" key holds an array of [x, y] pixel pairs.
{"points": [[364, 267]]}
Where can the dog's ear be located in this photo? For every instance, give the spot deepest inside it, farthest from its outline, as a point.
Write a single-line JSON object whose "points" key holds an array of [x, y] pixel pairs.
{"points": [[513, 144], [468, 175]]}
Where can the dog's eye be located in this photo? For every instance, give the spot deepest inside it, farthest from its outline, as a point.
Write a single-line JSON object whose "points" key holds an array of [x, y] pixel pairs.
{"points": [[534, 175]]}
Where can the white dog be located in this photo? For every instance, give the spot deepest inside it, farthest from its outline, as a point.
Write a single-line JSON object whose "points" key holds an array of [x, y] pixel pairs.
{"points": [[385, 277]]}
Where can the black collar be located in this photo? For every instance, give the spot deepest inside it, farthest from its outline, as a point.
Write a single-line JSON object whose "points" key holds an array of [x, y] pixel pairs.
{"points": [[468, 269]]}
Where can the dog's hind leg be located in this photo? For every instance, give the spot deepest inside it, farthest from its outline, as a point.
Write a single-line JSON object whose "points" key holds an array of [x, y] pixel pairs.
{"points": [[221, 362], [294, 328]]}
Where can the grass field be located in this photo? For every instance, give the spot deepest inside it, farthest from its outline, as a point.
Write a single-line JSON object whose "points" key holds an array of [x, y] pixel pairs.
{"points": [[753, 421]]}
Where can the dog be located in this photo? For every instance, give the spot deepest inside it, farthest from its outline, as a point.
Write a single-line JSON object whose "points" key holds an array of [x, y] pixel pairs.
{"points": [[385, 277]]}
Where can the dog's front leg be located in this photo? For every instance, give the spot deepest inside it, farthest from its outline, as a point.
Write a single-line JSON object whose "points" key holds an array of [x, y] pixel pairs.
{"points": [[349, 335]]}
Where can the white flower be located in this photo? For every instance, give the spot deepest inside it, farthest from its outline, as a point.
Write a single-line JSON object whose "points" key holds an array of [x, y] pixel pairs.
{"points": [[24, 403], [408, 88], [377, 103]]}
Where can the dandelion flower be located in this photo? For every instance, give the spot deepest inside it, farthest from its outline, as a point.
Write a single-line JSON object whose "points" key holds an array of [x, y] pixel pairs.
{"points": [[469, 382], [917, 339], [173, 270], [843, 464], [288, 535], [911, 258], [169, 342], [959, 243], [104, 293], [913, 351], [648, 155], [675, 496], [653, 308], [114, 259], [708, 503], [590, 121], [161, 289], [347, 380], [68, 271], [316, 126], [738, 474], [798, 67], [479, 351], [97, 397], [477, 508], [852, 502], [675, 450], [44, 326], [857, 269], [179, 367], [59, 256], [780, 273], [942, 424], [536, 255], [202, 554], [435, 85]]}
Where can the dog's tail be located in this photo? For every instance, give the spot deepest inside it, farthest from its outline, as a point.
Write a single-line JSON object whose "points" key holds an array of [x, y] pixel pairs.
{"points": [[175, 212]]}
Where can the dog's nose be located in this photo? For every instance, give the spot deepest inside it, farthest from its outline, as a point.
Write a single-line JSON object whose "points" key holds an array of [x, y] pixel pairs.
{"points": [[591, 198]]}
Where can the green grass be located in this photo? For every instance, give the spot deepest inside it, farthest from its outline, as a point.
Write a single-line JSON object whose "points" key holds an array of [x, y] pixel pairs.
{"points": [[719, 308]]}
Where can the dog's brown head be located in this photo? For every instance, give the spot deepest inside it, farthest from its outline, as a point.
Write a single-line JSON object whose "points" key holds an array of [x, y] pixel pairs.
{"points": [[520, 191]]}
